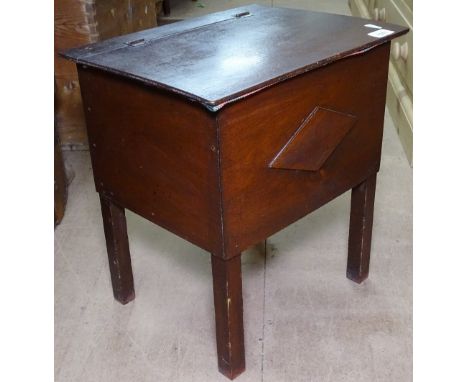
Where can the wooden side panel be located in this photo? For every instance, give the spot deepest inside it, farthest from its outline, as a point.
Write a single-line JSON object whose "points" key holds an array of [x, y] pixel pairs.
{"points": [[259, 200], [155, 154]]}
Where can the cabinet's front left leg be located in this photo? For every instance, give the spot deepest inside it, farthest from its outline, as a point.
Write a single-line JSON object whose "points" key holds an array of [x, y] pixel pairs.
{"points": [[115, 230], [360, 230], [227, 290]]}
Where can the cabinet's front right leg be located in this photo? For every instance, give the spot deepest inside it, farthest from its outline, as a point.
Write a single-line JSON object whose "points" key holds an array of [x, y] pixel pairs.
{"points": [[227, 290]]}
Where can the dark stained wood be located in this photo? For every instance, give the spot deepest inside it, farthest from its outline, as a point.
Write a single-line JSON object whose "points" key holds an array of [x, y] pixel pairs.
{"points": [[227, 291], [360, 230], [157, 155], [227, 128], [229, 55], [259, 200], [314, 141], [120, 264]]}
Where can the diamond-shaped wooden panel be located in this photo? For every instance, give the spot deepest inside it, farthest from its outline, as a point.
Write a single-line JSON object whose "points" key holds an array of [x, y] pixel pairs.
{"points": [[314, 141]]}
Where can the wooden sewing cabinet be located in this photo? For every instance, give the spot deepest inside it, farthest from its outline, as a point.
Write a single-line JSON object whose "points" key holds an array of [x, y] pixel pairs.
{"points": [[226, 128]]}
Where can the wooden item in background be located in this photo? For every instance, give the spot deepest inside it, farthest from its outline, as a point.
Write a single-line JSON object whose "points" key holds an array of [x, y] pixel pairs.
{"points": [[60, 177], [166, 5], [60, 182], [217, 132], [79, 22]]}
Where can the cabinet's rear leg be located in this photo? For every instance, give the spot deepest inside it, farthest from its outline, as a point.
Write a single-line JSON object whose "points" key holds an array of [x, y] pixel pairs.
{"points": [[115, 230], [360, 230]]}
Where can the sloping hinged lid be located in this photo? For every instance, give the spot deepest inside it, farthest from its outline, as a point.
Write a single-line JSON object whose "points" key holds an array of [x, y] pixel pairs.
{"points": [[224, 56]]}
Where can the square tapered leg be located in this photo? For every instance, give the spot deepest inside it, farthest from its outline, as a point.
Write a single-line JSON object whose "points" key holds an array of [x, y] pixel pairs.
{"points": [[115, 231], [227, 290], [360, 230]]}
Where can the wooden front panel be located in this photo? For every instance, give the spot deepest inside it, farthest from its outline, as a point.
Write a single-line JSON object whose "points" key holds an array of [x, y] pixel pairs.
{"points": [[259, 199], [155, 154]]}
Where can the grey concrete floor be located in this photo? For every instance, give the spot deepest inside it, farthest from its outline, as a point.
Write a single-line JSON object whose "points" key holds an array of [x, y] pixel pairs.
{"points": [[304, 321]]}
